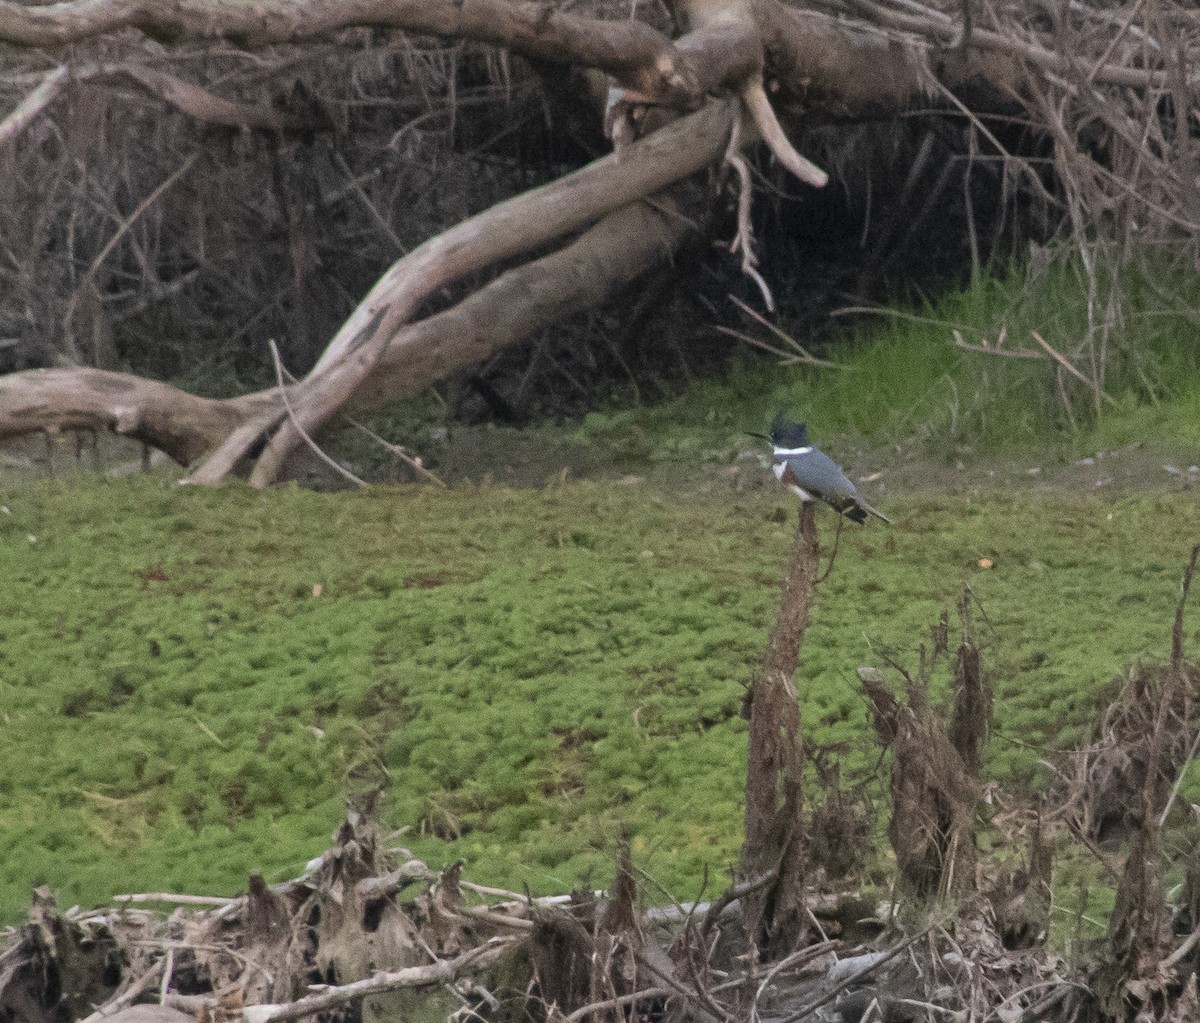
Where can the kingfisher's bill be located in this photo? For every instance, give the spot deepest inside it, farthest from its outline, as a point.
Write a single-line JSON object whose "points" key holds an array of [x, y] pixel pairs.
{"points": [[812, 474]]}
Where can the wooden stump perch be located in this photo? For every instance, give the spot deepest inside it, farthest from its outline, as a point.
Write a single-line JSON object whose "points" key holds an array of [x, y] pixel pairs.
{"points": [[774, 841]]}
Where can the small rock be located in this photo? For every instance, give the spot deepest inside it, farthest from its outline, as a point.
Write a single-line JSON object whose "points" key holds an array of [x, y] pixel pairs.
{"points": [[1103, 482], [1034, 470], [1191, 468], [630, 481], [1173, 470], [1086, 461]]}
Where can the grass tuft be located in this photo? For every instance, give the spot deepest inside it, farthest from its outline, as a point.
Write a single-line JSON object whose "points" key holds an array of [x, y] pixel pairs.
{"points": [[906, 380]]}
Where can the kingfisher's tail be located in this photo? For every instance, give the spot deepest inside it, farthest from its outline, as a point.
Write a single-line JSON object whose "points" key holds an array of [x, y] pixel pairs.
{"points": [[867, 508]]}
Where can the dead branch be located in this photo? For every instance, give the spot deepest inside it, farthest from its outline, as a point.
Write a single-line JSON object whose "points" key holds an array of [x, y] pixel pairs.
{"points": [[32, 105], [1093, 385], [443, 971], [399, 452], [617, 250], [193, 100], [630, 51], [857, 976], [802, 353], [174, 898], [776, 139], [619, 1002], [313, 446]]}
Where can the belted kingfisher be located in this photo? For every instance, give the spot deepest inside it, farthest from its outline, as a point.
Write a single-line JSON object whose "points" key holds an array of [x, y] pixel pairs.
{"points": [[812, 474]]}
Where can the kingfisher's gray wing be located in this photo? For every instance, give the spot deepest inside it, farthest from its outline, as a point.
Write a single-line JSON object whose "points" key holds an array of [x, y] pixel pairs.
{"points": [[819, 475]]}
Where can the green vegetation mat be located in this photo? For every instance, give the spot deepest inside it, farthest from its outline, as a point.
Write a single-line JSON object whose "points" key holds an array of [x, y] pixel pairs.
{"points": [[191, 679]]}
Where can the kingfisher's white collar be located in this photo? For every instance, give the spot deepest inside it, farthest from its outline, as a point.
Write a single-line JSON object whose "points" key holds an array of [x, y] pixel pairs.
{"points": [[790, 452]]}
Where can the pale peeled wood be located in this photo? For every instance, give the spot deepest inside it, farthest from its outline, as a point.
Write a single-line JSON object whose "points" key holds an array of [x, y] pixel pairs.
{"points": [[149, 1014]]}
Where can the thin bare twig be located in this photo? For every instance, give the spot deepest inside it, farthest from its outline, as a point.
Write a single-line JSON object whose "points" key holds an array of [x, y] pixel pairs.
{"points": [[300, 429], [804, 354], [33, 104], [1058, 357], [400, 453], [986, 349], [126, 996], [182, 900], [618, 1002]]}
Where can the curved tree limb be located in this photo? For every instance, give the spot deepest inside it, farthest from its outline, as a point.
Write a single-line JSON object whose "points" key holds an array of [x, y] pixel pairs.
{"points": [[774, 136], [508, 228], [619, 249]]}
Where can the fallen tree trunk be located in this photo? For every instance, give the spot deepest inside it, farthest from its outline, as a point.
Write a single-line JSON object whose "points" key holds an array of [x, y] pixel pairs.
{"points": [[526, 221], [841, 59], [621, 248]]}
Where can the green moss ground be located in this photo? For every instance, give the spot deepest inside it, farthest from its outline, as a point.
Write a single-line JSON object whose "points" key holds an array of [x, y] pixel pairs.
{"points": [[534, 671]]}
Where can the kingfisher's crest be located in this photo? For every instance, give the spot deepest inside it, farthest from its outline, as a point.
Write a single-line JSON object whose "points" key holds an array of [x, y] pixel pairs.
{"points": [[787, 434]]}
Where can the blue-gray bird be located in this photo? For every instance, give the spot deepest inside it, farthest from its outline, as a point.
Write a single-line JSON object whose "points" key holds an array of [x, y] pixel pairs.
{"points": [[812, 474]]}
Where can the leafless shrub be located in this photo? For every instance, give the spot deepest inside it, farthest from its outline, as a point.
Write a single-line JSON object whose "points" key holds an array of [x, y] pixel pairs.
{"points": [[1152, 727], [935, 767], [134, 233], [1149, 731]]}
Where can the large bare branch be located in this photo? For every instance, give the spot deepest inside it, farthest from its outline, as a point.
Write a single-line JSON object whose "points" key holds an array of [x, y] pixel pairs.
{"points": [[180, 424], [620, 249], [508, 228], [632, 52], [441, 971]]}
